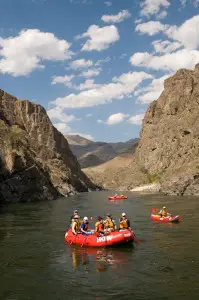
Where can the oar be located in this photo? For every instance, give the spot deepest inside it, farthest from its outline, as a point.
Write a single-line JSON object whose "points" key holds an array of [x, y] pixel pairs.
{"points": [[83, 241], [135, 238]]}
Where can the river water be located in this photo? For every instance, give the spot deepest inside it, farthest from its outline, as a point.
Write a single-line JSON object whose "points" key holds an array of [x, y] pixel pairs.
{"points": [[36, 264]]}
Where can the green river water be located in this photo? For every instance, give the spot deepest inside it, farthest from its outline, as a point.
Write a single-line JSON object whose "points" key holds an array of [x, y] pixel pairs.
{"points": [[36, 264]]}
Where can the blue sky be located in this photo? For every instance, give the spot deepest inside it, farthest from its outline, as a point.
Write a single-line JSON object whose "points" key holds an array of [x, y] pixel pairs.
{"points": [[95, 65]]}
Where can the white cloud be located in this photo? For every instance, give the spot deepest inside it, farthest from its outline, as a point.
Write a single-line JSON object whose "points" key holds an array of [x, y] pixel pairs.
{"points": [[104, 93], [116, 118], [62, 79], [183, 2], [136, 120], [120, 17], [171, 61], [195, 3], [24, 53], [162, 15], [99, 38], [151, 27], [85, 135], [57, 114], [81, 64], [62, 127], [165, 46], [88, 84], [108, 3], [152, 91], [187, 34], [102, 61], [122, 56], [153, 7], [89, 115], [137, 21], [90, 73]]}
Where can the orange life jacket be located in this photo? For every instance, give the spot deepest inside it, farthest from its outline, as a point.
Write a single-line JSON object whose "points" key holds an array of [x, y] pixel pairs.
{"points": [[99, 227]]}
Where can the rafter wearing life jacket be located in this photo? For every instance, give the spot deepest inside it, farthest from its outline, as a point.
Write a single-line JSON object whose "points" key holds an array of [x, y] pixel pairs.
{"points": [[99, 225], [124, 222], [109, 223]]}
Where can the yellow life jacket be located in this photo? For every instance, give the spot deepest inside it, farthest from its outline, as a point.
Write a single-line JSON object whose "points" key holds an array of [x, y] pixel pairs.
{"points": [[109, 223], [124, 224], [164, 212], [78, 224]]}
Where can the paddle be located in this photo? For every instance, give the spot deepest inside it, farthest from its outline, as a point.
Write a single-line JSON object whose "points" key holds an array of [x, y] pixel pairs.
{"points": [[84, 241], [135, 238]]}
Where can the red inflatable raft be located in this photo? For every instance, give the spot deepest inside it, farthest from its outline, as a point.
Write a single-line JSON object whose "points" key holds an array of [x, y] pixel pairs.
{"points": [[117, 197], [114, 238], [157, 217]]}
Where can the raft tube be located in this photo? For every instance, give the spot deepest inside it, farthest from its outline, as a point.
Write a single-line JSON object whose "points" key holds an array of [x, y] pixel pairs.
{"points": [[114, 238], [117, 197], [170, 219]]}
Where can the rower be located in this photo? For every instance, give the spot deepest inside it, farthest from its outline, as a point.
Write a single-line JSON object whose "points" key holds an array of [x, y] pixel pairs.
{"points": [[124, 222]]}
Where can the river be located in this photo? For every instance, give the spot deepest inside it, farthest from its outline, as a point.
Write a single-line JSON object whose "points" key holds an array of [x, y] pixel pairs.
{"points": [[36, 264]]}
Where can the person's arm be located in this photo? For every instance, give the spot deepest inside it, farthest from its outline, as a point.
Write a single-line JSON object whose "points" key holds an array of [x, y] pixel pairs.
{"points": [[73, 228]]}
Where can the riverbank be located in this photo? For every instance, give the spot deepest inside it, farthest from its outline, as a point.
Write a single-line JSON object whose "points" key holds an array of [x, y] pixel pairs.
{"points": [[154, 187]]}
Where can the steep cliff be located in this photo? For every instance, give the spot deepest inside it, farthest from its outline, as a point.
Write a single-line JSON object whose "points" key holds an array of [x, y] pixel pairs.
{"points": [[35, 159], [169, 145], [168, 150]]}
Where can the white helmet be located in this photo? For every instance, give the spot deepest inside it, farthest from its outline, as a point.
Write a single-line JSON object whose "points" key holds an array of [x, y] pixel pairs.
{"points": [[123, 215], [85, 218]]}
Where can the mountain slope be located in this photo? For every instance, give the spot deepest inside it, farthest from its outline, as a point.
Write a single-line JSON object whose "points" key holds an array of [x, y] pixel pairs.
{"points": [[169, 141], [35, 159], [91, 153]]}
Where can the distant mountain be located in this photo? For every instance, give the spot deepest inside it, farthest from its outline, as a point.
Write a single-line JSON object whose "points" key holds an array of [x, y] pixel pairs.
{"points": [[91, 153], [77, 140]]}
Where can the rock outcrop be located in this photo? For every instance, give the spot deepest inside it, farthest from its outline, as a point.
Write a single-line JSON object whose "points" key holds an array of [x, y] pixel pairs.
{"points": [[168, 150], [35, 159]]}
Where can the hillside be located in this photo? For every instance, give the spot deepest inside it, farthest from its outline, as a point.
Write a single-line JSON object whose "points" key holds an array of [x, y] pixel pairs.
{"points": [[35, 159], [77, 140], [91, 153], [168, 148], [118, 172]]}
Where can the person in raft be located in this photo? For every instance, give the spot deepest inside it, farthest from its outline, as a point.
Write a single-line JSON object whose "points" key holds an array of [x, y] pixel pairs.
{"points": [[84, 227], [124, 222], [99, 227], [75, 213], [163, 212], [109, 224], [76, 225]]}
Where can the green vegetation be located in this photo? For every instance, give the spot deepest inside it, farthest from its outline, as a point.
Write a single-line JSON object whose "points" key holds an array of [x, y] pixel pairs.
{"points": [[153, 178]]}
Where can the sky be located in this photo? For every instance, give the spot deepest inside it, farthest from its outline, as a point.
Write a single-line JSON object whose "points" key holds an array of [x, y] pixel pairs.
{"points": [[95, 65]]}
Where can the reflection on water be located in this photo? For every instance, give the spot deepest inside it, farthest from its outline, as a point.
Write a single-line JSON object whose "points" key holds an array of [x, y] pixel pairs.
{"points": [[101, 258]]}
